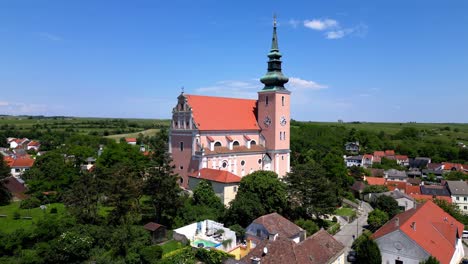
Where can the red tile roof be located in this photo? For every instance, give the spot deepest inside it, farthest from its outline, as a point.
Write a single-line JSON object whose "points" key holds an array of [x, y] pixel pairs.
{"points": [[211, 139], [16, 187], [401, 157], [425, 197], [430, 227], [367, 156], [379, 153], [131, 139], [23, 163], [220, 113], [375, 181], [9, 160], [229, 138], [389, 153], [34, 144], [221, 176], [452, 166], [320, 248], [247, 137], [413, 189], [392, 185]]}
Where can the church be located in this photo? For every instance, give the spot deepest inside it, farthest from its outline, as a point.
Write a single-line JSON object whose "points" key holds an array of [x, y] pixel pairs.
{"points": [[223, 139]]}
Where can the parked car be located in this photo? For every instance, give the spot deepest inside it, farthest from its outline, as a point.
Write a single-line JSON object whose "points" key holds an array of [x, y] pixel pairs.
{"points": [[352, 256]]}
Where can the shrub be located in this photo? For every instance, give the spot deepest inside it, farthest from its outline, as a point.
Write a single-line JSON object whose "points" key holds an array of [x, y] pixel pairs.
{"points": [[53, 210], [29, 203], [151, 254], [16, 215]]}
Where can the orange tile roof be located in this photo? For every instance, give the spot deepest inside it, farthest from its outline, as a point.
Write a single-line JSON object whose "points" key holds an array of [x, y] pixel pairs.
{"points": [[427, 197], [220, 113], [392, 185], [216, 175], [401, 157], [211, 139], [34, 143], [367, 156], [131, 139], [430, 227], [450, 166], [23, 162], [229, 138], [247, 137], [379, 153], [9, 160], [413, 189], [375, 181], [389, 153]]}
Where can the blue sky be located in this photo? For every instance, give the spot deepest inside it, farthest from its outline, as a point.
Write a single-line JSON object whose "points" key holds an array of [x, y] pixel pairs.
{"points": [[352, 60]]}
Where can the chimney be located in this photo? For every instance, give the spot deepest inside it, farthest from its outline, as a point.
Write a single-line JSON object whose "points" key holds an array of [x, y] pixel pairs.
{"points": [[413, 226], [397, 222]]}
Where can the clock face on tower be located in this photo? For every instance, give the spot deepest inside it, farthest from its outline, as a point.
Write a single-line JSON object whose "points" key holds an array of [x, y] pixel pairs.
{"points": [[267, 121], [283, 121]]}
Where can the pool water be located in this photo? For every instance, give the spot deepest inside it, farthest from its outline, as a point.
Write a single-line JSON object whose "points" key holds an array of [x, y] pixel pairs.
{"points": [[206, 244]]}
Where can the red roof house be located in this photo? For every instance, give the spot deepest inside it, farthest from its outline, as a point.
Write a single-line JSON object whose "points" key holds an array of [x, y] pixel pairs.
{"points": [[225, 183], [375, 180], [418, 233]]}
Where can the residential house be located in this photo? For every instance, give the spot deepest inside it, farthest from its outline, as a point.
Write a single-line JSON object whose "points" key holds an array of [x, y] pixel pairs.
{"points": [[377, 172], [319, 248], [402, 160], [375, 180], [224, 183], [207, 234], [389, 153], [357, 188], [367, 160], [90, 161], [353, 161], [17, 142], [459, 194], [271, 226], [448, 167], [437, 173], [396, 185], [232, 134], [378, 155], [415, 235], [414, 173], [352, 147], [419, 162], [405, 201], [414, 181], [16, 187], [396, 175], [20, 165], [435, 190], [33, 145], [131, 141]]}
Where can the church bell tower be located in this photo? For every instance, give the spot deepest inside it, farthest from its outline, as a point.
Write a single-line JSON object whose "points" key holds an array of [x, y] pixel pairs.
{"points": [[274, 111]]}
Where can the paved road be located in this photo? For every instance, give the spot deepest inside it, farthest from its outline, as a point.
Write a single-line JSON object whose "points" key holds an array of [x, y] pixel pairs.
{"points": [[345, 235]]}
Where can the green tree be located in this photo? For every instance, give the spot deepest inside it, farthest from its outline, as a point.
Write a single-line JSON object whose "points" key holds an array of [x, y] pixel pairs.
{"points": [[430, 260], [259, 193], [455, 176], [82, 199], [336, 171], [377, 218], [308, 225], [311, 191], [204, 195], [375, 189], [367, 250], [5, 195], [388, 205]]}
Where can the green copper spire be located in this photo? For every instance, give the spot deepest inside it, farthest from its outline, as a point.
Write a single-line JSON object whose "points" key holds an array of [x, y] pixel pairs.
{"points": [[274, 78]]}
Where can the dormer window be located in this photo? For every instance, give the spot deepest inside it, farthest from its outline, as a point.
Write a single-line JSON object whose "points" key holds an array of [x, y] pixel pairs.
{"points": [[217, 144]]}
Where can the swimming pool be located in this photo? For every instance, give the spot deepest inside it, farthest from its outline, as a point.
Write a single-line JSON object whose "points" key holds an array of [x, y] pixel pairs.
{"points": [[206, 243]]}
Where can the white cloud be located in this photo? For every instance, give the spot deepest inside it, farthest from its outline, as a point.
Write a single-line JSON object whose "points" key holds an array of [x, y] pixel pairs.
{"points": [[15, 108], [50, 36], [298, 83], [232, 88], [321, 24], [294, 23]]}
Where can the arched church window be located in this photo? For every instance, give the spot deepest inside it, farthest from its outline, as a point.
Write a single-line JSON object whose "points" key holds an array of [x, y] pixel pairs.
{"points": [[181, 146], [235, 143], [242, 162], [253, 142], [218, 144], [224, 164]]}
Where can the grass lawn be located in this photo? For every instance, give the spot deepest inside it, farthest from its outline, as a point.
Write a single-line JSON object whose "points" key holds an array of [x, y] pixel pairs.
{"points": [[170, 246], [8, 224], [148, 132], [345, 211]]}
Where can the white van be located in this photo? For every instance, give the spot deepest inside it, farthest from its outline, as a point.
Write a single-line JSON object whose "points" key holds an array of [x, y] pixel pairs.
{"points": [[465, 234]]}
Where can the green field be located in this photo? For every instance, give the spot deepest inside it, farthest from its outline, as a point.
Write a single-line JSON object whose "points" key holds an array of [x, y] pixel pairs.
{"points": [[8, 224], [148, 132]]}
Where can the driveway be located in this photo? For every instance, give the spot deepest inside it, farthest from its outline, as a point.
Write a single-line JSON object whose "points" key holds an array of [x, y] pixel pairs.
{"points": [[345, 235]]}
